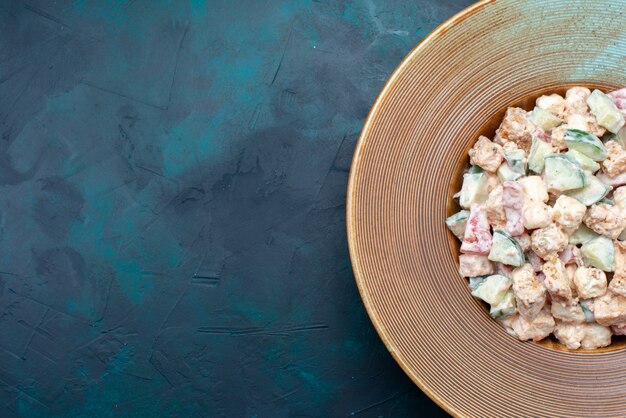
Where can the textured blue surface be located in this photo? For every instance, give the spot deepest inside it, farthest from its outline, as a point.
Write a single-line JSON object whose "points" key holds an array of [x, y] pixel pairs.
{"points": [[172, 207]]}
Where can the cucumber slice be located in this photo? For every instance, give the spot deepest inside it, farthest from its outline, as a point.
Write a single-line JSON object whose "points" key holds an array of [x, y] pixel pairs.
{"points": [[585, 162], [475, 169], [474, 189], [606, 201], [544, 119], [506, 173], [620, 137], [593, 191], [516, 159], [582, 235], [586, 305], [599, 252], [474, 282], [539, 149], [585, 143], [491, 289], [505, 249], [507, 306], [606, 112], [562, 173], [514, 166], [457, 222]]}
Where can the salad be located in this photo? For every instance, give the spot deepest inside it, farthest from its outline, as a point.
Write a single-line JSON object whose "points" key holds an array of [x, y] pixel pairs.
{"points": [[543, 219]]}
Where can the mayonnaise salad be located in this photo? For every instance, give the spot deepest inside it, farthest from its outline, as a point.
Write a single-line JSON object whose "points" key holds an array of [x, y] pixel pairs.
{"points": [[543, 219]]}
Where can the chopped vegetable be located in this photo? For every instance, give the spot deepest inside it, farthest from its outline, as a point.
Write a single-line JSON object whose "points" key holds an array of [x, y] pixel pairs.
{"points": [[491, 289], [562, 173], [506, 306], [620, 137], [593, 191], [474, 189], [585, 162], [505, 249], [513, 201], [599, 252], [582, 235], [506, 173], [477, 238], [586, 307], [605, 111], [539, 149], [457, 222], [544, 119], [585, 143], [516, 159]]}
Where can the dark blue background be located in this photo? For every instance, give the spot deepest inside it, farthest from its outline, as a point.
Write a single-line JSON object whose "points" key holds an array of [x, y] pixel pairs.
{"points": [[172, 207]]}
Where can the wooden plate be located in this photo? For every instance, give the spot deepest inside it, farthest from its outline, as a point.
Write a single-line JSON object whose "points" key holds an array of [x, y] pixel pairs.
{"points": [[413, 147]]}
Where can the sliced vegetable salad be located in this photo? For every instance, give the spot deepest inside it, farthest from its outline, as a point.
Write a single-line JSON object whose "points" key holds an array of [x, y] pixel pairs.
{"points": [[543, 219]]}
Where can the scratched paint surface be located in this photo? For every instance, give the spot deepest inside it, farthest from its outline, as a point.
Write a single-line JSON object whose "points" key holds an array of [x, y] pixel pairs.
{"points": [[172, 198]]}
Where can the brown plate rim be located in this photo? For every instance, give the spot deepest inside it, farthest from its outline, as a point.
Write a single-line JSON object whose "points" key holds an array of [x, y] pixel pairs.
{"points": [[354, 172]]}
